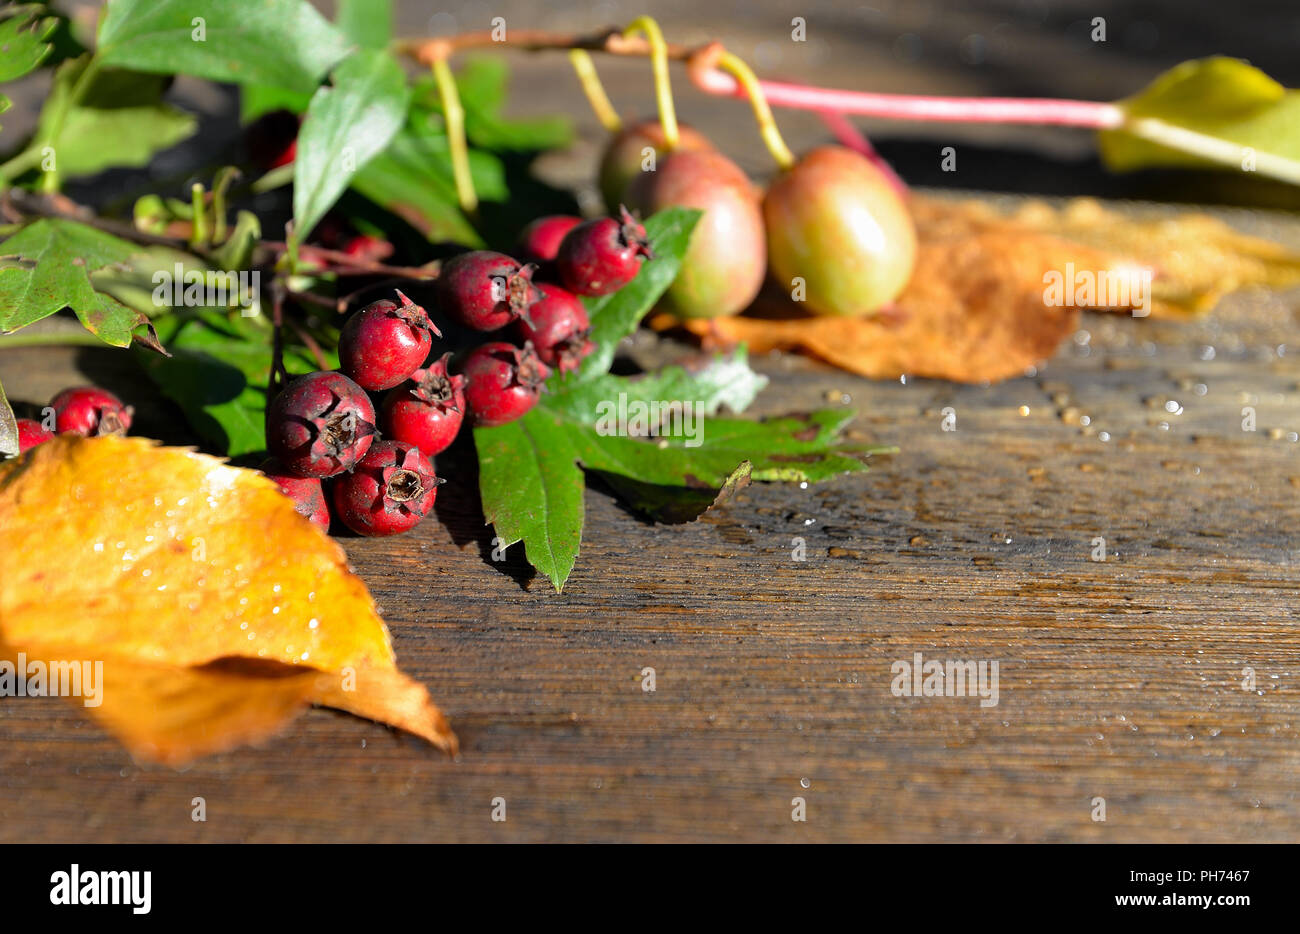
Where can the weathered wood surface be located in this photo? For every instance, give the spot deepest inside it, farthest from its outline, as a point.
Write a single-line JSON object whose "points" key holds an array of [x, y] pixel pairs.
{"points": [[1120, 679]]}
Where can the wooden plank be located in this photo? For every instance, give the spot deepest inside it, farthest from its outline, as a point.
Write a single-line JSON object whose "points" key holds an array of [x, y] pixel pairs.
{"points": [[1120, 679]]}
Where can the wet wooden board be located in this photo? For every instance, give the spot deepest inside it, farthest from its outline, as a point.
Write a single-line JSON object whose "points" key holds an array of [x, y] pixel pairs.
{"points": [[1120, 680]]}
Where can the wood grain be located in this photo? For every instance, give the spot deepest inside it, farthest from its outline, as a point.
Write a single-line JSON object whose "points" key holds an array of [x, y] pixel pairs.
{"points": [[1119, 679]]}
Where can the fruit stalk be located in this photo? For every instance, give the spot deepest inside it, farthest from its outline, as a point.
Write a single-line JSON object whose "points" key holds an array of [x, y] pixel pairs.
{"points": [[659, 63], [595, 91], [458, 147]]}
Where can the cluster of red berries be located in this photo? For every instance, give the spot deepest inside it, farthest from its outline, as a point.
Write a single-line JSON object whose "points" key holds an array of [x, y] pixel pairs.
{"points": [[82, 410], [325, 426]]}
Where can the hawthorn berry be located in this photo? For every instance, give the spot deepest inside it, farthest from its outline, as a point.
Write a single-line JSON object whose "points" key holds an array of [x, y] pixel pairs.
{"points": [[504, 382], [539, 242], [320, 424], [485, 290], [557, 328], [384, 343], [392, 488], [427, 410], [603, 255], [306, 492], [89, 411], [31, 433]]}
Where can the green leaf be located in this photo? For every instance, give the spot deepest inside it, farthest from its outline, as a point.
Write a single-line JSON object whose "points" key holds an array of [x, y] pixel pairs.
{"points": [[532, 490], [48, 269], [8, 428], [1213, 111], [347, 125], [218, 374], [615, 316], [119, 120], [413, 179], [369, 23], [23, 44], [282, 43]]}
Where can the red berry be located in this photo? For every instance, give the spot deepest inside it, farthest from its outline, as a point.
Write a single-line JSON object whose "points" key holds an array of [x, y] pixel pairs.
{"points": [[539, 242], [601, 256], [426, 411], [88, 410], [485, 290], [558, 329], [384, 343], [364, 246], [391, 489], [306, 492], [320, 424], [504, 382], [31, 433]]}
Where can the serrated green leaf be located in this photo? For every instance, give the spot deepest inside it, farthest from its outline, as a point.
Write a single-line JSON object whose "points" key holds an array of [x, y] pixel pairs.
{"points": [[48, 268], [282, 43], [23, 44], [532, 490], [119, 120], [218, 374], [347, 125], [1213, 111], [615, 316]]}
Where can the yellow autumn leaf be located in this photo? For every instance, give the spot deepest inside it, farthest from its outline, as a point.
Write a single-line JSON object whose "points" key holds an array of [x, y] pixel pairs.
{"points": [[218, 612]]}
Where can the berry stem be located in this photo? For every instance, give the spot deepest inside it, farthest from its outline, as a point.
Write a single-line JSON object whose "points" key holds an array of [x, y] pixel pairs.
{"points": [[1044, 111], [459, 148], [595, 91], [751, 87], [1050, 111], [659, 64]]}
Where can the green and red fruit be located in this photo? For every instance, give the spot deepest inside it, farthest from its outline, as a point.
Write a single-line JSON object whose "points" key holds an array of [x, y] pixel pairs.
{"points": [[836, 222], [625, 157], [724, 266]]}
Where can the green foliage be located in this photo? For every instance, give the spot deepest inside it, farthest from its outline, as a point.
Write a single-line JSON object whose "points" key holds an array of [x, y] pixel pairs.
{"points": [[24, 42], [281, 43], [347, 125], [47, 268], [116, 118], [531, 471]]}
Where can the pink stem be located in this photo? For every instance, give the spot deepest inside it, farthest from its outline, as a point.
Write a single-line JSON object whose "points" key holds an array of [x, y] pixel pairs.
{"points": [[1091, 114], [851, 137]]}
